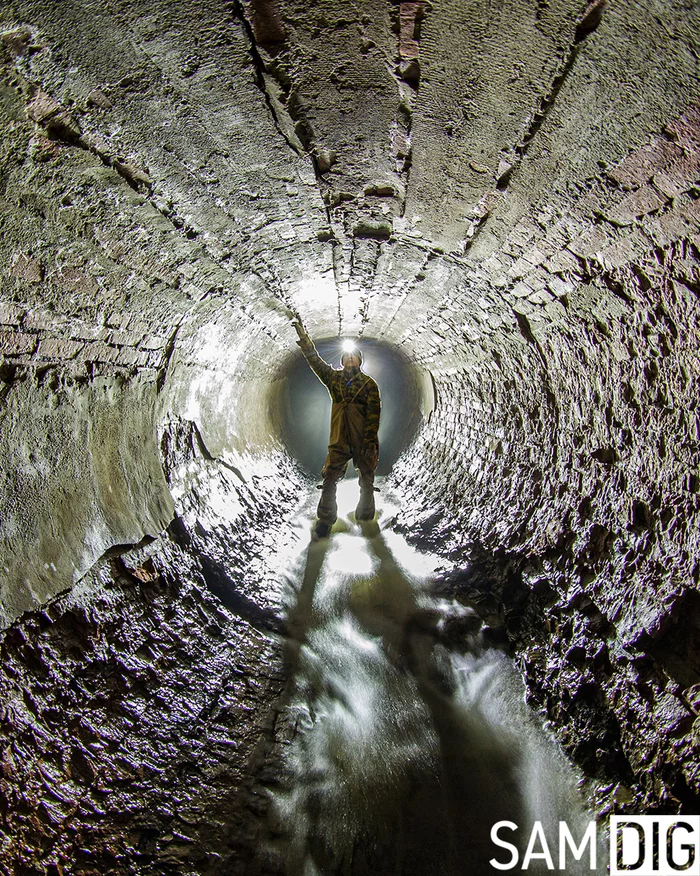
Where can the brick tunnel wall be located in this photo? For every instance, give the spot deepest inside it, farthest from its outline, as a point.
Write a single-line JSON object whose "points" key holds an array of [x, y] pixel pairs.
{"points": [[142, 495], [137, 696], [568, 451], [558, 472], [139, 692]]}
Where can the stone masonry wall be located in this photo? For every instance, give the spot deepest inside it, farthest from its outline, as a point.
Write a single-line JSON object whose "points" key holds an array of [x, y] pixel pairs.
{"points": [[569, 460], [136, 713]]}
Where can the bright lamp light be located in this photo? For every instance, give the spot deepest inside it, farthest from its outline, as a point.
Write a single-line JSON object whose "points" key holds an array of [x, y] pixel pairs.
{"points": [[349, 347]]}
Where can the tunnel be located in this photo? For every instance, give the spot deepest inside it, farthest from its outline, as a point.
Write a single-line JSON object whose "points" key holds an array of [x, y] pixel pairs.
{"points": [[500, 203]]}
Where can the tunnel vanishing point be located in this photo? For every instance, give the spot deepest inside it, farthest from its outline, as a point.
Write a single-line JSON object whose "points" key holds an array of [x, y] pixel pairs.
{"points": [[505, 194]]}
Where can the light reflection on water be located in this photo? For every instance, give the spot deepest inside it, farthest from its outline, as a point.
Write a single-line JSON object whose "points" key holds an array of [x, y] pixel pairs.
{"points": [[409, 747]]}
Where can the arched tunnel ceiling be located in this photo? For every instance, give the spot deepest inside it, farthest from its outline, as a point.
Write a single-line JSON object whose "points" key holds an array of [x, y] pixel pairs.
{"points": [[461, 181], [508, 193], [359, 163]]}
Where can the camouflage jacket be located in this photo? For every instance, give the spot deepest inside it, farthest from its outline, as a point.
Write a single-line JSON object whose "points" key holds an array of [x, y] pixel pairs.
{"points": [[360, 390]]}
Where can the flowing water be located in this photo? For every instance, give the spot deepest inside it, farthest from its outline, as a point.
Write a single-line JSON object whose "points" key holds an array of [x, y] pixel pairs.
{"points": [[409, 748]]}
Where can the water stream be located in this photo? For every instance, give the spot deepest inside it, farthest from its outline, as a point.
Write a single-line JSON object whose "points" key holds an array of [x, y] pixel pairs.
{"points": [[412, 743]]}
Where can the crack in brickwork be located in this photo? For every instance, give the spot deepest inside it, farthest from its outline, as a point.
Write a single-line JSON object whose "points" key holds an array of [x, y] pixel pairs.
{"points": [[296, 144]]}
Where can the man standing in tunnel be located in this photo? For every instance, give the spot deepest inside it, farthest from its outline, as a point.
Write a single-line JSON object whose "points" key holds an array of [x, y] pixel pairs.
{"points": [[354, 427]]}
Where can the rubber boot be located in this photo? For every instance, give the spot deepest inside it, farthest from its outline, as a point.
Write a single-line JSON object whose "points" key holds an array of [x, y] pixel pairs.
{"points": [[327, 511], [365, 507], [322, 530]]}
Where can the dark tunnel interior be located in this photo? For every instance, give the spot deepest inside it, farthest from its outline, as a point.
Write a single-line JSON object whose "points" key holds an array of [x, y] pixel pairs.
{"points": [[304, 403]]}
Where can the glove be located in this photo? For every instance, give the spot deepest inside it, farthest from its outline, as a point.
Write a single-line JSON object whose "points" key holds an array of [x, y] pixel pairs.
{"points": [[370, 453]]}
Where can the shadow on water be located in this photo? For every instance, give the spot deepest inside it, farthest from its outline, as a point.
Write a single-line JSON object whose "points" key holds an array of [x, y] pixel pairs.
{"points": [[410, 747]]}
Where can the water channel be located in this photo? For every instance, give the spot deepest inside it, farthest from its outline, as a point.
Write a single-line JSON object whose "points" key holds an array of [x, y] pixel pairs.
{"points": [[410, 747]]}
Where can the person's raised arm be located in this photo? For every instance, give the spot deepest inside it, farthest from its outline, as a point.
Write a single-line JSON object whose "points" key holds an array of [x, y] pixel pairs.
{"points": [[320, 367]]}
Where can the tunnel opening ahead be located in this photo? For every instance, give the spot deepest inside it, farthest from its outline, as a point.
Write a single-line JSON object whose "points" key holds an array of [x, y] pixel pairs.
{"points": [[303, 403]]}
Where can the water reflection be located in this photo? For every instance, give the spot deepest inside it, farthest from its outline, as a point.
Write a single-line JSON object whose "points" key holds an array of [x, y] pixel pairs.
{"points": [[411, 746]]}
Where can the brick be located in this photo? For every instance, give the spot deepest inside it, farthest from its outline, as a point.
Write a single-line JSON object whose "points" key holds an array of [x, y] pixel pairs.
{"points": [[492, 264], [104, 370], [590, 243], [153, 342], [520, 237], [520, 268], [408, 45], [645, 200], [118, 320], [557, 237], [77, 368], [27, 268], [560, 288], [523, 307], [17, 343], [521, 290], [286, 230], [620, 253], [43, 320], [58, 348], [50, 114], [668, 185], [41, 149], [547, 248], [692, 211], [140, 326], [84, 332], [640, 166], [686, 129], [541, 296], [78, 281], [590, 203], [124, 339], [99, 352], [486, 205], [10, 314], [672, 226], [534, 255], [127, 357], [561, 262], [537, 279]]}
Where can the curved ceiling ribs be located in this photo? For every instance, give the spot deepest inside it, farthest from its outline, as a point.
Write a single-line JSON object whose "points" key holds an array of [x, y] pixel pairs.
{"points": [[361, 100]]}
